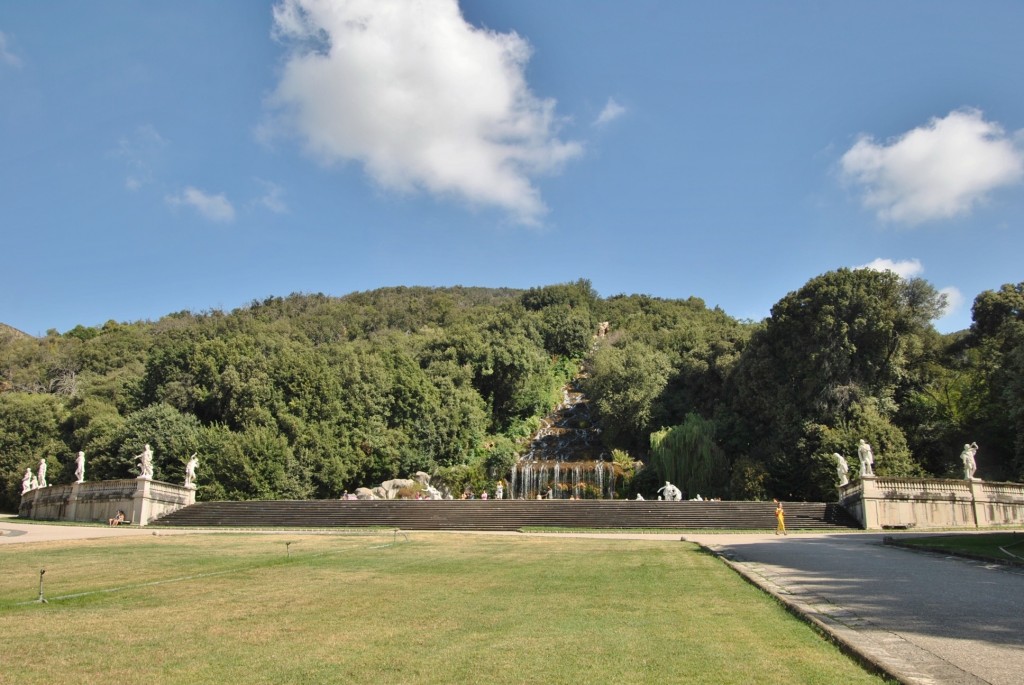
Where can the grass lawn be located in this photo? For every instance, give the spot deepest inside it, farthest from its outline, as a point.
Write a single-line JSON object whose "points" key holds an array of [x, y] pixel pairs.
{"points": [[997, 546], [438, 608]]}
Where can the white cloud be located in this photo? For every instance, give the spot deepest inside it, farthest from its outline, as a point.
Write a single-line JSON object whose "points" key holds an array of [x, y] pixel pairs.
{"points": [[7, 56], [907, 268], [213, 207], [421, 98], [612, 111], [140, 151], [935, 171], [273, 197], [954, 301]]}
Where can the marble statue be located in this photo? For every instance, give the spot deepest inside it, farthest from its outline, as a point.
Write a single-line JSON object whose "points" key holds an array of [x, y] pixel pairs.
{"points": [[365, 493], [190, 471], [967, 457], [26, 481], [80, 468], [867, 459], [391, 487], [842, 469], [145, 463], [639, 497], [672, 493], [34, 483], [499, 491], [42, 473]]}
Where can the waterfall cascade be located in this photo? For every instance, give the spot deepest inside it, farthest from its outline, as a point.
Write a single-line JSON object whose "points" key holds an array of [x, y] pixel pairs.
{"points": [[565, 458]]}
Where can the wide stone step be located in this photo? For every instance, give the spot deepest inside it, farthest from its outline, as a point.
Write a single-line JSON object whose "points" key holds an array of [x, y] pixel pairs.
{"points": [[508, 514]]}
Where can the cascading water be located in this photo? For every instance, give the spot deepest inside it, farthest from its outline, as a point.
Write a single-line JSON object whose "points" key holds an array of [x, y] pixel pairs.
{"points": [[565, 458]]}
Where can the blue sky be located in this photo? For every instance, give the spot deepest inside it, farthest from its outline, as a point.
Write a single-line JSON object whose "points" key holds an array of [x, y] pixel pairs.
{"points": [[171, 155]]}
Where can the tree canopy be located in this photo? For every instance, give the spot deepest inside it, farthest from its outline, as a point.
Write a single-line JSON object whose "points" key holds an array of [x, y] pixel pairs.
{"points": [[309, 395]]}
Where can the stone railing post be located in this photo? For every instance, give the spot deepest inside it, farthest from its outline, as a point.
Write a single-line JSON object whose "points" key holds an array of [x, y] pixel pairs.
{"points": [[869, 500], [140, 502], [976, 490], [72, 510]]}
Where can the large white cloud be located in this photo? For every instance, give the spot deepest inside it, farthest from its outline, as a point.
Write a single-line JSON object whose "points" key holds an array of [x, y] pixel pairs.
{"points": [[420, 97], [935, 171]]}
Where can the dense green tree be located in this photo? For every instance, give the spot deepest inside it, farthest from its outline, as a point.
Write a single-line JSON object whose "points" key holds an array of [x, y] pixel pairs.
{"points": [[833, 353], [997, 338], [945, 408], [624, 383], [567, 331], [699, 345], [310, 395], [689, 457], [29, 431], [94, 426], [171, 435]]}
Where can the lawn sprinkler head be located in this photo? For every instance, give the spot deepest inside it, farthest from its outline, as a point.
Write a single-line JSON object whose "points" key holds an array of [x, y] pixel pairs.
{"points": [[42, 599]]}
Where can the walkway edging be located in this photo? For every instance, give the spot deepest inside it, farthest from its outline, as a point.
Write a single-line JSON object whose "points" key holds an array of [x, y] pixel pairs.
{"points": [[857, 644]]}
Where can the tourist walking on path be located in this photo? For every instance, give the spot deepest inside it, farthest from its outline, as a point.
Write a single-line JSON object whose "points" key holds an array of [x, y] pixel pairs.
{"points": [[780, 516]]}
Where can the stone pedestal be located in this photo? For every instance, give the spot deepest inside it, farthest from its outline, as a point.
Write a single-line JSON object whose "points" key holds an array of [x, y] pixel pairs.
{"points": [[72, 508]]}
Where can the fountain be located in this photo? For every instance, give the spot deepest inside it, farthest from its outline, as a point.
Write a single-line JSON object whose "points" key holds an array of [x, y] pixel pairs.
{"points": [[565, 456]]}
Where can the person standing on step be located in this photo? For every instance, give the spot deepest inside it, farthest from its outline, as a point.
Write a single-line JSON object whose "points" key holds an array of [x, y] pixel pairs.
{"points": [[780, 517]]}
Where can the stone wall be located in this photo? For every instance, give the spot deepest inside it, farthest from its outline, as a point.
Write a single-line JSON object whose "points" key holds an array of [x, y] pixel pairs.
{"points": [[933, 503], [141, 500]]}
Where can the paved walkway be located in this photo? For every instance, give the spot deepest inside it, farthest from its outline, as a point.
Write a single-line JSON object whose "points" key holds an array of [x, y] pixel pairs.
{"points": [[12, 532], [921, 618]]}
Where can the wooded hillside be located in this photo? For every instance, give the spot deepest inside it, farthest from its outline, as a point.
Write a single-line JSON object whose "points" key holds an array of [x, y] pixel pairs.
{"points": [[309, 395]]}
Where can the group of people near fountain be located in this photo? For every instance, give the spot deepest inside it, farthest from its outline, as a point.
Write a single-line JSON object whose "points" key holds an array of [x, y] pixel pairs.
{"points": [[499, 493]]}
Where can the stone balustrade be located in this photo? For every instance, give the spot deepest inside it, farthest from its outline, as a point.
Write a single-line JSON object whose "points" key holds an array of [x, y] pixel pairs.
{"points": [[142, 500], [933, 503]]}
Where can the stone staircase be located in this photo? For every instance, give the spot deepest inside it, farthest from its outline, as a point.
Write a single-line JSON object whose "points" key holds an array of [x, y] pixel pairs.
{"points": [[509, 515]]}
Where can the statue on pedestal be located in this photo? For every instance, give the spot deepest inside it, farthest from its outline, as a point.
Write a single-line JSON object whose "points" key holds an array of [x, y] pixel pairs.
{"points": [[842, 469], [42, 473], [26, 481], [967, 457], [80, 468], [145, 463], [867, 459], [190, 471]]}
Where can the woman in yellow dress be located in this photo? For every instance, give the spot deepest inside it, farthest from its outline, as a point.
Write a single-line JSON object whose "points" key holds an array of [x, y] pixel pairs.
{"points": [[780, 516]]}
